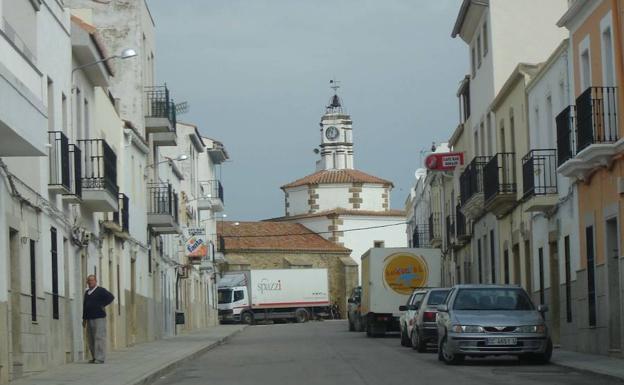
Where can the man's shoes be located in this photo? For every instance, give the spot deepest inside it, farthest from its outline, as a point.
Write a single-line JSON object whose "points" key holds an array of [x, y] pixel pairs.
{"points": [[99, 362], [92, 361]]}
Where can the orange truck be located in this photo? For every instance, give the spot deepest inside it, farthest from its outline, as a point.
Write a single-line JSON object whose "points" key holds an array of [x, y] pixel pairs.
{"points": [[389, 276]]}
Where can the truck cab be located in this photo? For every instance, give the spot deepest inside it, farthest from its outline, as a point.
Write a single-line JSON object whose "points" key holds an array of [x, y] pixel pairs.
{"points": [[233, 301]]}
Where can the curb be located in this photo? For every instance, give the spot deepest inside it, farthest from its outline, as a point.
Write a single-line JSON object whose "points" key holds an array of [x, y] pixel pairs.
{"points": [[151, 377], [588, 370]]}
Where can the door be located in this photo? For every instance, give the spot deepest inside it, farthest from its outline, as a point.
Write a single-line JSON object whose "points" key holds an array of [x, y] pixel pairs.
{"points": [[16, 324], [554, 315], [613, 290]]}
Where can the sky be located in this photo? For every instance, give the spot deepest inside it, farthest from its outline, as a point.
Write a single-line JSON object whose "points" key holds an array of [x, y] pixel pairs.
{"points": [[256, 73]]}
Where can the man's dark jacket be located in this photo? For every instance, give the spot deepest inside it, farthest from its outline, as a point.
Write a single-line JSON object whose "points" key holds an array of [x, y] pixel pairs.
{"points": [[94, 303]]}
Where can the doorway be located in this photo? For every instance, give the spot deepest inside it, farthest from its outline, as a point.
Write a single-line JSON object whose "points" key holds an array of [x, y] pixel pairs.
{"points": [[613, 274], [16, 366], [554, 292], [515, 252]]}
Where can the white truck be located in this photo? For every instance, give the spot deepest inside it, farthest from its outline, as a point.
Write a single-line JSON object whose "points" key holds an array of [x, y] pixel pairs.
{"points": [[389, 276], [255, 295]]}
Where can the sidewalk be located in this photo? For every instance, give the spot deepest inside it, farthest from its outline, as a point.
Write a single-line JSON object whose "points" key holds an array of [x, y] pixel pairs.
{"points": [[607, 366], [140, 364]]}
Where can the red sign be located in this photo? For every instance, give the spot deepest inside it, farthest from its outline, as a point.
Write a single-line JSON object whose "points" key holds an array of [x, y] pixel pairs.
{"points": [[444, 161]]}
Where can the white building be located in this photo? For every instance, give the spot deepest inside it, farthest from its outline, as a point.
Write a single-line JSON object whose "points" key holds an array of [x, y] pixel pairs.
{"points": [[343, 204]]}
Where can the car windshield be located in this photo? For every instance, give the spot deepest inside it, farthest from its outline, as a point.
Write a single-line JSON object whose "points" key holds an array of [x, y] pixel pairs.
{"points": [[225, 295], [492, 299], [437, 297]]}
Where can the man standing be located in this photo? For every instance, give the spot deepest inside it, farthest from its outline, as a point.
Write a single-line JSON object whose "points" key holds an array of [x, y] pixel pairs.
{"points": [[94, 318]]}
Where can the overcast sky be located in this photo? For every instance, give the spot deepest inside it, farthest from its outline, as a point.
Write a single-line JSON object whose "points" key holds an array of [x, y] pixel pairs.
{"points": [[256, 76]]}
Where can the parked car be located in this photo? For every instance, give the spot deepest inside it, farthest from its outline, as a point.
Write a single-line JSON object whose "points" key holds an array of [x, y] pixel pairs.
{"points": [[353, 310], [409, 310], [422, 327], [486, 320]]}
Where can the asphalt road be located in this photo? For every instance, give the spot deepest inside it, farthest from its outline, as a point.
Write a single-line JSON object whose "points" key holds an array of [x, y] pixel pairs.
{"points": [[326, 353]]}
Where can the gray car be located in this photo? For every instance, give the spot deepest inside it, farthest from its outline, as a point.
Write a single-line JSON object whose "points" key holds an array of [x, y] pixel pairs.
{"points": [[488, 320], [424, 328]]}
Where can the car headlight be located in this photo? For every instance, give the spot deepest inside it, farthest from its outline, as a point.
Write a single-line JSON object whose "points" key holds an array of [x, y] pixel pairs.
{"points": [[540, 329], [467, 329]]}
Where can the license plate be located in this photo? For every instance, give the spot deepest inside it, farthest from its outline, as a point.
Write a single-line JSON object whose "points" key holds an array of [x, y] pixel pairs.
{"points": [[502, 341]]}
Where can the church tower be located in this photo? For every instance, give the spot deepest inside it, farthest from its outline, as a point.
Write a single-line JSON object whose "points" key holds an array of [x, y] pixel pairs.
{"points": [[336, 136]]}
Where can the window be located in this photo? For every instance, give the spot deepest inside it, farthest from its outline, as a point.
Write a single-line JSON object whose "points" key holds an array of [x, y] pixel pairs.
{"points": [[378, 244], [540, 256], [476, 142], [50, 105], [484, 37], [512, 131], [473, 62], [479, 266], [585, 69], [506, 263], [33, 282], [479, 52], [490, 139], [64, 113], [492, 299], [482, 134], [591, 278], [608, 73], [568, 278], [492, 256], [501, 146], [239, 295], [55, 288]]}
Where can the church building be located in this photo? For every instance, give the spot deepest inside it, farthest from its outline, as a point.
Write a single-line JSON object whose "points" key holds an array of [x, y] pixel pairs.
{"points": [[344, 205]]}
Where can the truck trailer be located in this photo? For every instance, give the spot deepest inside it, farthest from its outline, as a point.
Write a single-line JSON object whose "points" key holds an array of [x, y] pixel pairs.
{"points": [[258, 295], [389, 276]]}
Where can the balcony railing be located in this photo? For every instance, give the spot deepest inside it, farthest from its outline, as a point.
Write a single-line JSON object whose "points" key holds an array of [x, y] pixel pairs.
{"points": [[420, 236], [596, 111], [566, 135], [499, 175], [98, 166], [539, 172], [460, 223], [122, 216], [471, 180], [75, 171], [162, 200], [160, 105], [58, 159], [435, 227]]}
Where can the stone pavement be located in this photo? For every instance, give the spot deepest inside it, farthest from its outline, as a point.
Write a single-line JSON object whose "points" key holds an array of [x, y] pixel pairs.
{"points": [[141, 364], [594, 363]]}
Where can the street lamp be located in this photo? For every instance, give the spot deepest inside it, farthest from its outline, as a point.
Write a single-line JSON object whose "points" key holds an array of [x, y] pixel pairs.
{"points": [[179, 158], [125, 54]]}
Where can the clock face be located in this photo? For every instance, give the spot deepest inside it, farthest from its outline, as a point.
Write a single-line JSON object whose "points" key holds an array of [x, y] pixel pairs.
{"points": [[331, 133]]}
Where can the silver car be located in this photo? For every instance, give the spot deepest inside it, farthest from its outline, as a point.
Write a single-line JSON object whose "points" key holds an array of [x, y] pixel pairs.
{"points": [[486, 320]]}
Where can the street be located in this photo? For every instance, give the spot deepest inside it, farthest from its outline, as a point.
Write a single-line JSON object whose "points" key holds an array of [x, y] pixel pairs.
{"points": [[326, 353]]}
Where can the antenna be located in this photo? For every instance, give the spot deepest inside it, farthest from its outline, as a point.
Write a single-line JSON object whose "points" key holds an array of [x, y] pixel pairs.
{"points": [[181, 108], [335, 85]]}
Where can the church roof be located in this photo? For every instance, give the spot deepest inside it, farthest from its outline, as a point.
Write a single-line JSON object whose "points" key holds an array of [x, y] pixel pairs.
{"points": [[343, 212], [274, 236], [337, 176]]}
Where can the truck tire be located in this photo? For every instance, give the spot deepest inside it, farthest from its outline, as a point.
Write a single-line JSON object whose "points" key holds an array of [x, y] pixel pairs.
{"points": [[247, 318], [301, 315]]}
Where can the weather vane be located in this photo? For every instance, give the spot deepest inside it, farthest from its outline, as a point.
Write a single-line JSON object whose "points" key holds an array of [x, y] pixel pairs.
{"points": [[335, 84]]}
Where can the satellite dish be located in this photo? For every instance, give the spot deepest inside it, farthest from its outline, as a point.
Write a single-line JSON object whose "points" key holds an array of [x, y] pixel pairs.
{"points": [[316, 150]]}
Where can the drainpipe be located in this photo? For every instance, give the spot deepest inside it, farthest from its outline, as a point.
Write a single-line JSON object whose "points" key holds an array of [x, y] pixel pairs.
{"points": [[616, 33]]}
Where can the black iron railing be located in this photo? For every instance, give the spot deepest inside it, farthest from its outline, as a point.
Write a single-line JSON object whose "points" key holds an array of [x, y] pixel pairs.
{"points": [[58, 158], [471, 180], [122, 216], [596, 112], [160, 105], [460, 223], [539, 172], [162, 199], [75, 172], [421, 236], [99, 166], [211, 189], [435, 226], [499, 175], [566, 143]]}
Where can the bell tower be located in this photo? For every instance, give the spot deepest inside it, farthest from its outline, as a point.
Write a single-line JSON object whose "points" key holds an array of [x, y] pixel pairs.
{"points": [[336, 135]]}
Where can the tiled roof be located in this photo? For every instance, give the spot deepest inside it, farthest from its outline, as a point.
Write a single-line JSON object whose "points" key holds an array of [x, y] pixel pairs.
{"points": [[345, 212], [337, 176], [274, 236]]}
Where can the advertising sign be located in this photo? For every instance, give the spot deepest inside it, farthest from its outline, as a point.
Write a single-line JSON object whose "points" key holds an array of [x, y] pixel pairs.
{"points": [[196, 246], [405, 272], [444, 161]]}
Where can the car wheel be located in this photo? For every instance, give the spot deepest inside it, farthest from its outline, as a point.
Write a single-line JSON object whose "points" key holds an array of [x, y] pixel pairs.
{"points": [[414, 339], [369, 328], [301, 315], [358, 324], [247, 318], [417, 342], [543, 358], [449, 357], [405, 340]]}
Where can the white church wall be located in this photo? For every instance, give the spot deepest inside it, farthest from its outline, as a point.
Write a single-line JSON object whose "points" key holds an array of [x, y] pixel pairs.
{"points": [[372, 197], [361, 240], [298, 200], [333, 196]]}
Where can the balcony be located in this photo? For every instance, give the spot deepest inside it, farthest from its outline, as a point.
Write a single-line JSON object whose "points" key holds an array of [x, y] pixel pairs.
{"points": [[420, 236], [499, 187], [120, 222], [160, 116], [98, 165], [162, 209], [595, 134], [211, 196], [539, 180], [58, 162], [74, 195], [471, 188], [435, 230]]}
